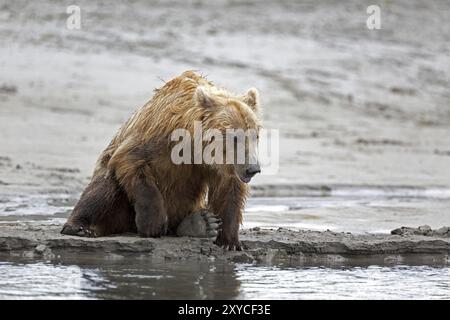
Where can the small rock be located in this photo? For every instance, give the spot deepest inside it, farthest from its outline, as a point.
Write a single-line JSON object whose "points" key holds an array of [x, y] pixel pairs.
{"points": [[425, 229], [242, 257], [444, 231], [402, 231], [40, 248], [397, 231], [28, 254], [44, 251]]}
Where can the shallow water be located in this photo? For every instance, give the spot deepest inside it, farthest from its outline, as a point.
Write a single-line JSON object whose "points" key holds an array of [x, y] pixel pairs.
{"points": [[356, 213], [142, 279], [85, 277], [376, 210]]}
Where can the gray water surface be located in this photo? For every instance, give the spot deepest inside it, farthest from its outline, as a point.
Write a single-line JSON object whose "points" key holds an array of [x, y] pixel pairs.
{"points": [[143, 279], [376, 210]]}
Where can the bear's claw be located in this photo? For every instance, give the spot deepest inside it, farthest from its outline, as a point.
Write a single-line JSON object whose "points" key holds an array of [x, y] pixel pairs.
{"points": [[228, 244], [212, 223], [75, 230]]}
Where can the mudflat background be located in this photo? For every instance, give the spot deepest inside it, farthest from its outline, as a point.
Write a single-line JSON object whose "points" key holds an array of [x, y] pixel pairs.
{"points": [[355, 107]]}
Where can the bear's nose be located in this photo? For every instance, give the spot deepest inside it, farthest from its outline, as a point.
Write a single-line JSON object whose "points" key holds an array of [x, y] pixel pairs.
{"points": [[252, 170]]}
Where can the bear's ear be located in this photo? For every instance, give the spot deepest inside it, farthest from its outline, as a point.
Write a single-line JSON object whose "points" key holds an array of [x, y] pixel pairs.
{"points": [[252, 99], [204, 97]]}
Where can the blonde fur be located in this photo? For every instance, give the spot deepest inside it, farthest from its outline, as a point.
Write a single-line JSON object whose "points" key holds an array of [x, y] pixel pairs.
{"points": [[141, 149]]}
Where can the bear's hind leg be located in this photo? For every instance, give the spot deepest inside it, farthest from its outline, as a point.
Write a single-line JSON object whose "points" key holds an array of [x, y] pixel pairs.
{"points": [[77, 230], [103, 209], [200, 224]]}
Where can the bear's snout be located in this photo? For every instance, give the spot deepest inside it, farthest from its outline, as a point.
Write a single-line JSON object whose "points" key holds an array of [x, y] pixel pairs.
{"points": [[252, 170]]}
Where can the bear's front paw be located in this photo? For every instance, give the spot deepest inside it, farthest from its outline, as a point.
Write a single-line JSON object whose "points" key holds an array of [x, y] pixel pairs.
{"points": [[228, 242], [153, 229]]}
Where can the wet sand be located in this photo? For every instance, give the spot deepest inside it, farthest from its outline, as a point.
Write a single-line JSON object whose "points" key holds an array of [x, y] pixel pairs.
{"points": [[265, 246], [353, 106]]}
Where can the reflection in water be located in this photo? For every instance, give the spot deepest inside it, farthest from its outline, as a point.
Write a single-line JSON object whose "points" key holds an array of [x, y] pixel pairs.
{"points": [[46, 281], [134, 278], [121, 278], [131, 278], [171, 280]]}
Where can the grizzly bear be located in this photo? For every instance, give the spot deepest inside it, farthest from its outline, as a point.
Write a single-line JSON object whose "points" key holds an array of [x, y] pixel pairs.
{"points": [[136, 187]]}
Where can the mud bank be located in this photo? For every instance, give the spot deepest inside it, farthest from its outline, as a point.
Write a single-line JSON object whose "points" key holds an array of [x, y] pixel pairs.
{"points": [[43, 240]]}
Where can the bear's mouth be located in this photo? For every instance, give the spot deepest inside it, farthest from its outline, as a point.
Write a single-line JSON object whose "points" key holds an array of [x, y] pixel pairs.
{"points": [[245, 179]]}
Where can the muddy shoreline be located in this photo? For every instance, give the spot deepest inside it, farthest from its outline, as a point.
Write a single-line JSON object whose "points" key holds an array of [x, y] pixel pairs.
{"points": [[362, 114], [268, 246]]}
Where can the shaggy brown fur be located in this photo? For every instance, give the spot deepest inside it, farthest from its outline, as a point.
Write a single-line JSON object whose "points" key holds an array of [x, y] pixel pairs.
{"points": [[135, 185]]}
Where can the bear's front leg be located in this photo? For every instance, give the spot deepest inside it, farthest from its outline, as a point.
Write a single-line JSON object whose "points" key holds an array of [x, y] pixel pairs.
{"points": [[227, 200], [151, 216], [200, 224]]}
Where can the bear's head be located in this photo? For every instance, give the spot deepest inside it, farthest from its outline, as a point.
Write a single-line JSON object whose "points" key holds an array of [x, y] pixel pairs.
{"points": [[232, 121]]}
